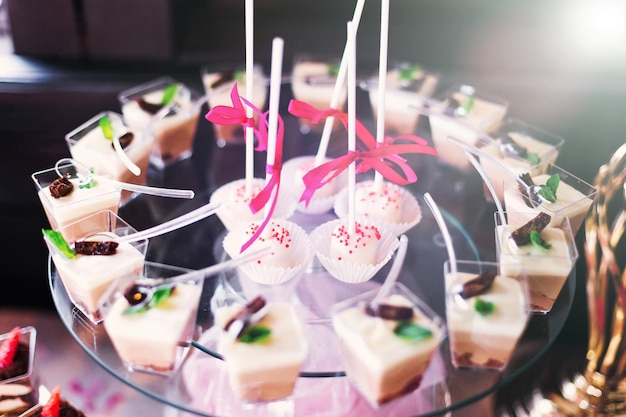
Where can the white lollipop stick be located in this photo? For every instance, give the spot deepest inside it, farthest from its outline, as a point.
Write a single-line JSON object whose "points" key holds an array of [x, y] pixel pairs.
{"points": [[394, 272], [334, 101], [274, 102], [351, 125], [382, 83], [249, 132]]}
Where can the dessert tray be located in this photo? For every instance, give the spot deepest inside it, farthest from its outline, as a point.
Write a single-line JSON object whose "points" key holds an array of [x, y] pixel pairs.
{"points": [[200, 386]]}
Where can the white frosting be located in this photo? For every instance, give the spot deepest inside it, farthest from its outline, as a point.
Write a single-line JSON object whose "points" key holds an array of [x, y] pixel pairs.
{"points": [[377, 361], [150, 340], [276, 236], [268, 370], [358, 247], [374, 204]]}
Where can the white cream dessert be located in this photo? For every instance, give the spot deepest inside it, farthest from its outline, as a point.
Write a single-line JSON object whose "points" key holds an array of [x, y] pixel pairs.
{"points": [[313, 82], [386, 349], [384, 204], [546, 268], [407, 87], [485, 328], [79, 203], [218, 87], [570, 202], [235, 199], [175, 131], [534, 153], [263, 355], [87, 277], [153, 338], [464, 116], [358, 246], [89, 146]]}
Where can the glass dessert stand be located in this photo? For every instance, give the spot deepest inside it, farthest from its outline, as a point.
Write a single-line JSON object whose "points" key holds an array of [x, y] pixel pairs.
{"points": [[200, 386]]}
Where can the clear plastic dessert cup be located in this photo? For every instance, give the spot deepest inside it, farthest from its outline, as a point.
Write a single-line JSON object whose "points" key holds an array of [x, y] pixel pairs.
{"points": [[484, 326], [19, 381], [80, 202], [518, 147], [218, 84], [87, 277], [573, 198], [408, 86], [546, 269], [463, 113], [387, 347], [262, 369], [313, 81], [173, 123], [154, 338]]}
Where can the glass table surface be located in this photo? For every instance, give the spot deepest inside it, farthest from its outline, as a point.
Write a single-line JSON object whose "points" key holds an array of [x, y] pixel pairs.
{"points": [[200, 386]]}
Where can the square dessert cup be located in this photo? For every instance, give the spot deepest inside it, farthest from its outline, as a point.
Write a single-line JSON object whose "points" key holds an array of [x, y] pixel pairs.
{"points": [[546, 270], [218, 83], [264, 370], [173, 124], [18, 382], [79, 203], [465, 114], [313, 80], [408, 86], [518, 147], [155, 339], [484, 327], [384, 357], [89, 146], [87, 277], [573, 198]]}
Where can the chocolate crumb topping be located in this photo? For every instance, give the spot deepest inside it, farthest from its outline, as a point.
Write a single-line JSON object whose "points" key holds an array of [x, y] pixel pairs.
{"points": [[19, 365], [85, 247], [125, 140], [225, 77], [388, 311], [61, 187], [148, 107], [521, 235], [478, 285], [244, 316]]}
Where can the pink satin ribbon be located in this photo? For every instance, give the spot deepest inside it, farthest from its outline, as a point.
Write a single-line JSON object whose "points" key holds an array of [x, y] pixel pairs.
{"points": [[226, 115]]}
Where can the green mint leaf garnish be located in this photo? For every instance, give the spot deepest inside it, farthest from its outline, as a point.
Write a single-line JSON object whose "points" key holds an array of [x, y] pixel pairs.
{"points": [[57, 239], [533, 158], [88, 181], [106, 126], [333, 70], [412, 332], [467, 104], [238, 75], [158, 297], [538, 241], [484, 308], [548, 191], [169, 93], [255, 334], [407, 73]]}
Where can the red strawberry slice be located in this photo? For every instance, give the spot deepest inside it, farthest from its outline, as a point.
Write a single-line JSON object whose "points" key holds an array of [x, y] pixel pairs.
{"points": [[8, 349], [53, 406]]}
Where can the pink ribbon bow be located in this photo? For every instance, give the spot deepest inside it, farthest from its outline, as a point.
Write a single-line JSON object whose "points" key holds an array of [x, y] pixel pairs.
{"points": [[226, 115]]}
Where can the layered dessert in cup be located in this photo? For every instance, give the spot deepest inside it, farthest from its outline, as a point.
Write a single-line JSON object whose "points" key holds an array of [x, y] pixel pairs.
{"points": [[463, 113], [517, 147], [218, 84], [555, 191], [151, 331], [91, 144], [386, 345], [18, 380], [408, 86], [55, 406], [167, 109], [543, 249], [67, 197], [97, 259], [486, 311], [313, 81], [264, 346]]}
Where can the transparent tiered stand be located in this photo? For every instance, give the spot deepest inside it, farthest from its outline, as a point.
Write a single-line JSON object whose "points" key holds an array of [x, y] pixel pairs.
{"points": [[200, 387]]}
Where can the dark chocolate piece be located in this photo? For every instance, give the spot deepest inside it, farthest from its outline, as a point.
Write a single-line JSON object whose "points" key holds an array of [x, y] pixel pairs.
{"points": [[85, 247], [389, 312], [224, 78], [125, 140], [135, 294], [521, 235], [451, 109], [246, 313], [61, 187], [527, 179], [148, 107], [478, 285]]}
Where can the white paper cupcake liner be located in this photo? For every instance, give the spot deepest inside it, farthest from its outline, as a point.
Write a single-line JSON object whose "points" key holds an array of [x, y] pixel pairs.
{"points": [[290, 182], [410, 216], [351, 272], [285, 206], [301, 250]]}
